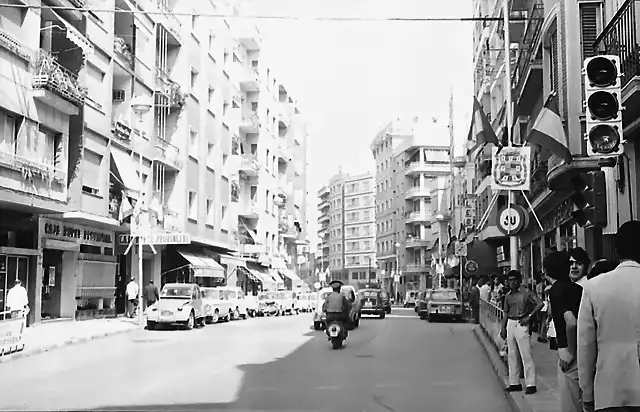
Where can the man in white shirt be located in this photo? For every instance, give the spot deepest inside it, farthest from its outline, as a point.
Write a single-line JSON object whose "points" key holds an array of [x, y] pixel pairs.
{"points": [[132, 297], [17, 299], [485, 289]]}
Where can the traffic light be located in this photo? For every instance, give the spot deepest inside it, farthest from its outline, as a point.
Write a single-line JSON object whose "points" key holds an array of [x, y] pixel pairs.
{"points": [[603, 105], [590, 197]]}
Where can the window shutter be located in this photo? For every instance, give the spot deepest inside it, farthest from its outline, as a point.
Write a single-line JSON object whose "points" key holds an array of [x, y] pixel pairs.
{"points": [[91, 170], [555, 62], [588, 28]]}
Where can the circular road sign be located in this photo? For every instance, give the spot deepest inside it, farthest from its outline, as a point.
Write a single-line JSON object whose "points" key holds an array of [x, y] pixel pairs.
{"points": [[453, 261], [471, 267], [511, 220]]}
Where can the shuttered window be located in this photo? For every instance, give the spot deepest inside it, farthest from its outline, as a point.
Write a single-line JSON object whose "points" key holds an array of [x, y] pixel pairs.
{"points": [[91, 166], [589, 15], [555, 62]]}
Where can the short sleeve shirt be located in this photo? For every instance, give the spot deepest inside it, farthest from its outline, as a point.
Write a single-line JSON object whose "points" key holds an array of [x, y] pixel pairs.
{"points": [[564, 296]]}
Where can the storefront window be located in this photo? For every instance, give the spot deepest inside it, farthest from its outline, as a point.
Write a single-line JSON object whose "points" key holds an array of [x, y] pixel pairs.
{"points": [[12, 268], [568, 236]]}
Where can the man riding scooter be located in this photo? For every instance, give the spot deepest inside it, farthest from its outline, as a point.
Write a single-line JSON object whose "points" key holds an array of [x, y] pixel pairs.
{"points": [[336, 306]]}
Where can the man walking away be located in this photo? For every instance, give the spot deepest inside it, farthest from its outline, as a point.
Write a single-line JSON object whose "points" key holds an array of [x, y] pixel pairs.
{"points": [[132, 297], [608, 325], [151, 294], [474, 300], [565, 296], [519, 306], [17, 300]]}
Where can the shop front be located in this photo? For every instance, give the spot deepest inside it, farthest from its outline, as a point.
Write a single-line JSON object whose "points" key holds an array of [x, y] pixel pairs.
{"points": [[232, 264], [77, 271], [192, 264], [250, 281]]}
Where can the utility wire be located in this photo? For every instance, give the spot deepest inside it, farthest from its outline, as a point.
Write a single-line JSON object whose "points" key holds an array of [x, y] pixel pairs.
{"points": [[265, 17]]}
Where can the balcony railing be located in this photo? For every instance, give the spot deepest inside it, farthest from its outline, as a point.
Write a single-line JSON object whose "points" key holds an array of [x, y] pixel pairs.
{"points": [[251, 121], [114, 205], [50, 75], [78, 3], [175, 97], [418, 216], [123, 50], [530, 38], [14, 46], [168, 153], [32, 169], [620, 38]]}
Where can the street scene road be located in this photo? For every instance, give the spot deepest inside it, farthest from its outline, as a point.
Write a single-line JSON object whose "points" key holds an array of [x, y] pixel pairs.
{"points": [[399, 363]]}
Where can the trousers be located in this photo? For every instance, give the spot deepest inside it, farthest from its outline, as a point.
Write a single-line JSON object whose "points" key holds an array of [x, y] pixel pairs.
{"points": [[569, 389], [518, 341]]}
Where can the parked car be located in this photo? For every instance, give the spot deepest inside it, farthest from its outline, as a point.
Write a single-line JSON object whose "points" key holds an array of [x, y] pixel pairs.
{"points": [[319, 316], [235, 296], [267, 301], [305, 302], [180, 304], [216, 306], [422, 304], [251, 302], [444, 303], [288, 302], [371, 302], [349, 291], [386, 301]]}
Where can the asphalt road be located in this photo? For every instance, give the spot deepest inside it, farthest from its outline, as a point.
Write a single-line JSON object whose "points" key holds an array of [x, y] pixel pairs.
{"points": [[397, 364]]}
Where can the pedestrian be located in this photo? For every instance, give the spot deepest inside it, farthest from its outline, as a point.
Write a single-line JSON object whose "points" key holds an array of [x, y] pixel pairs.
{"points": [[485, 289], [564, 298], [580, 263], [132, 297], [17, 300], [474, 299], [608, 324], [519, 306], [151, 294]]}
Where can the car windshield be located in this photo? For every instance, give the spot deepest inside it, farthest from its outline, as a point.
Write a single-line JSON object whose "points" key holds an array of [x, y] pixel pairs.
{"points": [[183, 292], [209, 293], [269, 296], [370, 293], [444, 295], [231, 294]]}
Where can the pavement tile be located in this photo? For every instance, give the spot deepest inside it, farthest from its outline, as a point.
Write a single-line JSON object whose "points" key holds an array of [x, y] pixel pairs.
{"points": [[51, 335], [546, 399]]}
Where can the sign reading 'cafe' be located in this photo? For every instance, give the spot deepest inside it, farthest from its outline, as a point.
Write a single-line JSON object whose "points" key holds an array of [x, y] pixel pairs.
{"points": [[53, 229]]}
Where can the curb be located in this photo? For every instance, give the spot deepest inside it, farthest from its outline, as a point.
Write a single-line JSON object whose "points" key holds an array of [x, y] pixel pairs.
{"points": [[516, 400], [25, 353]]}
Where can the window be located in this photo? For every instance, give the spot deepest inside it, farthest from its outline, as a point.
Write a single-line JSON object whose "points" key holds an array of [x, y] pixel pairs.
{"points": [[210, 153], [211, 93], [367, 244], [273, 204], [91, 172], [254, 106], [367, 214], [210, 213], [193, 205], [266, 203], [268, 158], [8, 133], [193, 143], [194, 80], [223, 213]]}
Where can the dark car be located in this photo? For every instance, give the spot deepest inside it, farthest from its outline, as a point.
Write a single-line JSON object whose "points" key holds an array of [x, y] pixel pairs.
{"points": [[371, 302], [444, 303], [422, 303], [386, 301], [350, 293]]}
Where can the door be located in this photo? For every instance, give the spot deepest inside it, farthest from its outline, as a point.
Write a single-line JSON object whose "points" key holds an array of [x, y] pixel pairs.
{"points": [[51, 278], [11, 268]]}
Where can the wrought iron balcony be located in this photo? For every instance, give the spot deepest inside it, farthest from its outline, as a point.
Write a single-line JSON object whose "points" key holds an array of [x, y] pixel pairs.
{"points": [[168, 154], [620, 38], [526, 55], [14, 46], [48, 74], [33, 169], [123, 50]]}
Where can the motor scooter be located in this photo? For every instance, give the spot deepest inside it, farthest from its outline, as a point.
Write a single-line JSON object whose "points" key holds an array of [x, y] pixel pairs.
{"points": [[336, 333]]}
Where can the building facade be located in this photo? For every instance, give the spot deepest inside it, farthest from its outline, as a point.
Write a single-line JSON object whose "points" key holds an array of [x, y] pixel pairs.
{"points": [[173, 140], [346, 245], [413, 212]]}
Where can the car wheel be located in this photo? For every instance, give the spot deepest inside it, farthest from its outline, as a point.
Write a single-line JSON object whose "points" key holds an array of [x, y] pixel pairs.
{"points": [[317, 325], [215, 317], [388, 310], [151, 325], [203, 321], [244, 315], [251, 313], [235, 315], [382, 315], [191, 321]]}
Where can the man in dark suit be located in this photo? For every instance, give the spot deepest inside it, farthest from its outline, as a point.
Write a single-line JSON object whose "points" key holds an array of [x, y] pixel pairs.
{"points": [[151, 294], [474, 300]]}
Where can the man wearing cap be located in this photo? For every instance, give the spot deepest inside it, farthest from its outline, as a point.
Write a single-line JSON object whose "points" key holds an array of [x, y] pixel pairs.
{"points": [[151, 294], [17, 299], [336, 306]]}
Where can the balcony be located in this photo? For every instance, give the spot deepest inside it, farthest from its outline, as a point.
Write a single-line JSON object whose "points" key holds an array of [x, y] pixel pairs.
{"points": [[620, 38], [323, 205], [168, 154], [430, 168], [247, 34], [250, 166], [168, 19], [417, 267], [324, 218], [168, 92], [284, 151], [50, 78], [527, 78], [416, 242], [287, 231], [123, 50], [248, 78], [285, 188], [416, 192], [249, 210], [417, 217], [32, 169], [12, 45], [324, 191], [250, 123]]}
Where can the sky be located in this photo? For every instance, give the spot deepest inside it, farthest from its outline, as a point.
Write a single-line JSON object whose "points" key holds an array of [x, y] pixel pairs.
{"points": [[352, 78]]}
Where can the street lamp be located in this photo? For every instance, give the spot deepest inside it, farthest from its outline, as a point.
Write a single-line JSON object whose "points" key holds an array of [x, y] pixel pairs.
{"points": [[140, 105], [397, 275]]}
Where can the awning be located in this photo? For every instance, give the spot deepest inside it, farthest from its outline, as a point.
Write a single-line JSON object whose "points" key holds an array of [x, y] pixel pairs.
{"points": [[74, 35], [250, 274], [124, 170], [289, 273], [203, 266], [276, 277]]}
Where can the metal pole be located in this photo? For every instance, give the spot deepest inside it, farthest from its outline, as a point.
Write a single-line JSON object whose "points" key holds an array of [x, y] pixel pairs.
{"points": [[140, 283], [513, 240]]}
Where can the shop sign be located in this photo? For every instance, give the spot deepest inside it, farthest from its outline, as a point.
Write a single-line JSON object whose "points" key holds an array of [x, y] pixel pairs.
{"points": [[57, 230], [558, 216], [11, 335], [157, 239], [511, 168], [471, 267]]}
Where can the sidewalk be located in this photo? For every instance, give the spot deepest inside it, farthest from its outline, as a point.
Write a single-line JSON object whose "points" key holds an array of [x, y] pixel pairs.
{"points": [[55, 334], [546, 399]]}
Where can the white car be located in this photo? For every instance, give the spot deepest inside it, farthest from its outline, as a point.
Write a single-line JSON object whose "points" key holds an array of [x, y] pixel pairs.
{"points": [[252, 305], [305, 302], [179, 303], [216, 306], [288, 302], [319, 317], [235, 296]]}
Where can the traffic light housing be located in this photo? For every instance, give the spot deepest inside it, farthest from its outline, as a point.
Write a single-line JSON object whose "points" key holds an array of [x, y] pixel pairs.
{"points": [[603, 103], [590, 198]]}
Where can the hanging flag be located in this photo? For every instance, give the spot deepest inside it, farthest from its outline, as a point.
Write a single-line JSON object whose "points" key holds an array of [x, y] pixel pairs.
{"points": [[156, 207], [126, 209], [548, 131], [481, 130]]}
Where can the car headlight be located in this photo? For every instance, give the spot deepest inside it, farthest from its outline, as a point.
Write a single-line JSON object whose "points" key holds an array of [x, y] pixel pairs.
{"points": [[207, 309]]}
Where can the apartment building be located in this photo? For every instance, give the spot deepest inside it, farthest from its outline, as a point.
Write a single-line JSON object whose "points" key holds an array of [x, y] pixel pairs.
{"points": [[548, 49], [346, 237], [413, 212], [170, 137]]}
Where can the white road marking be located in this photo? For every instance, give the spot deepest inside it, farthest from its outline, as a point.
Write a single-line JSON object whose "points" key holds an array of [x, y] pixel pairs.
{"points": [[403, 316], [333, 387], [387, 385]]}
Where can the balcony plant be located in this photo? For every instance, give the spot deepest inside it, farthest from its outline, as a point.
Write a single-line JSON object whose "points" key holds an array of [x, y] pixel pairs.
{"points": [[50, 75], [177, 98], [235, 191], [235, 145], [123, 49]]}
